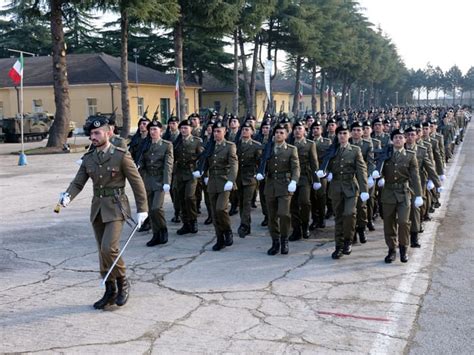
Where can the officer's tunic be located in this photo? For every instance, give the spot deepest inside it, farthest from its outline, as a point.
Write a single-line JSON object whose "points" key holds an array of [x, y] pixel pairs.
{"points": [[318, 197], [110, 206]]}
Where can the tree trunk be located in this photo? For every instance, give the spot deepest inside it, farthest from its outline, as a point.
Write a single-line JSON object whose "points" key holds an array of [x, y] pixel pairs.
{"points": [[235, 102], [60, 128], [253, 79], [462, 96], [344, 93], [124, 74], [322, 92], [314, 100], [178, 63], [296, 94], [419, 94], [331, 108], [436, 100], [454, 96], [248, 100]]}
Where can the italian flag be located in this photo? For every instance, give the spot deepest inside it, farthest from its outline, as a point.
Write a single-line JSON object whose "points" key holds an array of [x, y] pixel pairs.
{"points": [[17, 71]]}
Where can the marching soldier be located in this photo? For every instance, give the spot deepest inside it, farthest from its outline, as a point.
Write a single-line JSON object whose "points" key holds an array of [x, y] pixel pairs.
{"points": [[318, 197], [282, 175], [231, 135], [263, 137], [249, 152], [108, 167], [201, 188], [400, 179], [139, 137], [371, 202], [115, 139], [222, 166], [157, 165], [367, 150], [195, 124], [301, 200], [378, 133], [187, 149], [348, 180], [171, 134]]}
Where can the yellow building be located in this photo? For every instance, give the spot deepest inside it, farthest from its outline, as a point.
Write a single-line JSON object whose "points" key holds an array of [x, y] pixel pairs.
{"points": [[94, 86], [218, 95]]}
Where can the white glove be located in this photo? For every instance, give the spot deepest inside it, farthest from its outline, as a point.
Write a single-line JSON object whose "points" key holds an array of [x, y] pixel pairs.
{"points": [[79, 162], [141, 216], [228, 186], [166, 187], [197, 174], [64, 198], [320, 174], [206, 180], [316, 186], [440, 189], [370, 182], [364, 196], [418, 201], [381, 182], [375, 174], [442, 177], [329, 177], [259, 177], [430, 185], [292, 186]]}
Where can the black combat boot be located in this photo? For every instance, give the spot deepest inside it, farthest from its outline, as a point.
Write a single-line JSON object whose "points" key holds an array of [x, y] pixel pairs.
{"points": [[243, 231], [370, 226], [337, 254], [414, 243], [185, 229], [305, 231], [264, 222], [208, 220], [284, 245], [347, 249], [296, 235], [321, 223], [275, 247], [123, 287], [391, 256], [155, 240], [228, 238], [403, 254], [146, 226], [164, 235], [233, 210], [354, 238], [194, 226], [219, 243], [313, 225], [361, 233], [176, 218], [109, 296]]}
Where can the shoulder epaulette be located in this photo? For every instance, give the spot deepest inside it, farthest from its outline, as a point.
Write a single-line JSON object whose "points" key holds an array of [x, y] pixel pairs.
{"points": [[120, 149]]}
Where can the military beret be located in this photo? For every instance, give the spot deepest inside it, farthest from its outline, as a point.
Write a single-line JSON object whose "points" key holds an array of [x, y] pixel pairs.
{"points": [[342, 127], [299, 123], [193, 115], [233, 117], [386, 121], [417, 125], [285, 120], [367, 123], [142, 119], [377, 120], [396, 131], [266, 122], [111, 119], [210, 122], [309, 117], [96, 122], [250, 117], [356, 124], [425, 124], [410, 129], [154, 123], [266, 115], [331, 120], [434, 121], [218, 124], [316, 123], [280, 126], [247, 125], [173, 119], [184, 123]]}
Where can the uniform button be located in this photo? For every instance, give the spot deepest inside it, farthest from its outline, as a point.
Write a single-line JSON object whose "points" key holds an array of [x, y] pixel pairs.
{"points": [[100, 196], [101, 186], [100, 166], [100, 176]]}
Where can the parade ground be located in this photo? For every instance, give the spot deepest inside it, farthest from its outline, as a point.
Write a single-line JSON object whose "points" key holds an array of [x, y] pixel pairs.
{"points": [[185, 298]]}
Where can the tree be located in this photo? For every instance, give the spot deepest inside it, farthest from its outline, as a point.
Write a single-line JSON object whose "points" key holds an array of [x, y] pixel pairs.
{"points": [[454, 77], [468, 83]]}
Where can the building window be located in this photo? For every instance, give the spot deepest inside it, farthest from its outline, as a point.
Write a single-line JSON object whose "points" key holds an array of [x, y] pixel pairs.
{"points": [[91, 107], [141, 106], [217, 106], [186, 106], [164, 109], [1, 109], [38, 105]]}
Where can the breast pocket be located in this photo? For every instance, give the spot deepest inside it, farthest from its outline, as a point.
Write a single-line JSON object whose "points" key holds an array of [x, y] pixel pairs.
{"points": [[114, 171]]}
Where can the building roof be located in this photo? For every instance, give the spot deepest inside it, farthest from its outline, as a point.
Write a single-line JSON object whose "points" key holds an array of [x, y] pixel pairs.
{"points": [[212, 84], [95, 68]]}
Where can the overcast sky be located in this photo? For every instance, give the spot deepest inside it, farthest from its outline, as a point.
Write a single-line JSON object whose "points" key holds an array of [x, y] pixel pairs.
{"points": [[436, 31]]}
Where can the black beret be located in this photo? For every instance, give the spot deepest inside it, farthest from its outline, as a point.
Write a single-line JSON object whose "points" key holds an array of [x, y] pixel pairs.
{"points": [[111, 119], [247, 125], [418, 125], [356, 124], [96, 122], [367, 123], [154, 123], [266, 122], [218, 124], [142, 119], [316, 123], [184, 123], [410, 129], [308, 117], [386, 121], [194, 115], [250, 117], [299, 123], [210, 122], [377, 120], [342, 127], [425, 124], [233, 117], [395, 132], [285, 120], [331, 120], [173, 119], [434, 121], [280, 126]]}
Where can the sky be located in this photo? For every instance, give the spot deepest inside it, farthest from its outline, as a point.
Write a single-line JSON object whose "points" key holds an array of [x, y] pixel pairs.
{"points": [[439, 32]]}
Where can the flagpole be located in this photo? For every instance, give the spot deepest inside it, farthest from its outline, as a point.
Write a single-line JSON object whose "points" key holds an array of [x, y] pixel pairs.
{"points": [[22, 161], [178, 95]]}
